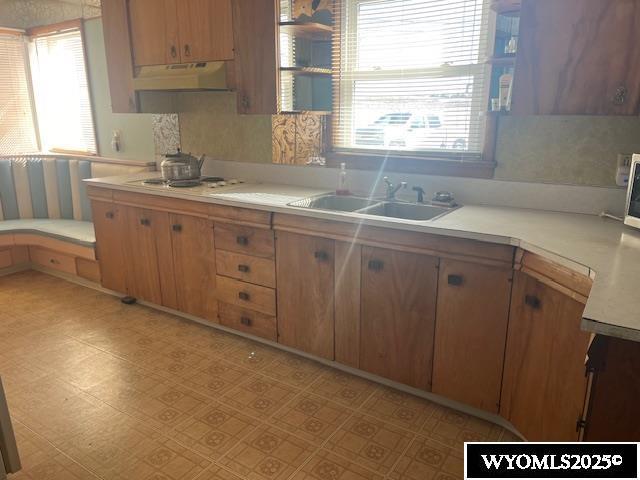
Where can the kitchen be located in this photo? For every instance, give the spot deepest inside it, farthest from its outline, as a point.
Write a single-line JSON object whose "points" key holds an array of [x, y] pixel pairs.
{"points": [[314, 239]]}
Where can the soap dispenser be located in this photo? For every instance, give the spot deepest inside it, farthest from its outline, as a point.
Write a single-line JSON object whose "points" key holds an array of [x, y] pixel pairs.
{"points": [[342, 188]]}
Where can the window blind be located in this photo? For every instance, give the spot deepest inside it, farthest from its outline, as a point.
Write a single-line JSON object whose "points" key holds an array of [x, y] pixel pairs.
{"points": [[17, 129], [409, 76], [63, 102]]}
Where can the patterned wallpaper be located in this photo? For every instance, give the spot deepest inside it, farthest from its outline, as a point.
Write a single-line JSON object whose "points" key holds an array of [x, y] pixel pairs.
{"points": [[30, 13]]}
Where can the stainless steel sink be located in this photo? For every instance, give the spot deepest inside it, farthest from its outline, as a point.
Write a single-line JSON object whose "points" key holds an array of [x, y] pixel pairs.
{"points": [[338, 203], [406, 211], [367, 206]]}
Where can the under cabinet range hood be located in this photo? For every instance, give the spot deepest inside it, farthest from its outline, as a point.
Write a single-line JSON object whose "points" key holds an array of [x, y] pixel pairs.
{"points": [[183, 76]]}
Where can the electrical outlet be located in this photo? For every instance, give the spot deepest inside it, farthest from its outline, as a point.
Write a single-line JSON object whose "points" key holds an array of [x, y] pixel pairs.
{"points": [[623, 169]]}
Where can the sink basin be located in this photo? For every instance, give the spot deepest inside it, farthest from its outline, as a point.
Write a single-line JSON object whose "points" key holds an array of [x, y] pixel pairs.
{"points": [[337, 203], [406, 211]]}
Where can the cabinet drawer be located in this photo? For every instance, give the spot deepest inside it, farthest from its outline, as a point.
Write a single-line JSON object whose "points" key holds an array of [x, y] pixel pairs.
{"points": [[248, 321], [246, 295], [260, 271], [54, 260], [247, 240]]}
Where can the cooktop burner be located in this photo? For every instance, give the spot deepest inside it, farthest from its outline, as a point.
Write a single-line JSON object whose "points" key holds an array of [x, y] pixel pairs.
{"points": [[211, 179], [154, 181], [184, 183]]}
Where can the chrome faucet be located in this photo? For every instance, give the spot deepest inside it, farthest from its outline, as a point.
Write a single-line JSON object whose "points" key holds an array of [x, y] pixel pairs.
{"points": [[393, 189]]}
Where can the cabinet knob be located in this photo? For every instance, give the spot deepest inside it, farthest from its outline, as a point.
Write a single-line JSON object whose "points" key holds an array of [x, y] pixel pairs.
{"points": [[532, 301], [109, 215], [145, 221], [620, 96], [174, 51], [240, 240], [376, 265], [322, 256], [176, 228], [54, 261], [243, 268], [455, 280], [244, 296], [187, 50], [245, 321]]}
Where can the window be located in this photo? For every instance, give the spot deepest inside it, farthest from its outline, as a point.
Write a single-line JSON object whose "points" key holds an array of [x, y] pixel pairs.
{"points": [[63, 102], [17, 129], [411, 77]]}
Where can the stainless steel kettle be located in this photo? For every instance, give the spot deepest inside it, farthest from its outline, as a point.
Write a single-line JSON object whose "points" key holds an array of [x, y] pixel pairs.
{"points": [[181, 166]]}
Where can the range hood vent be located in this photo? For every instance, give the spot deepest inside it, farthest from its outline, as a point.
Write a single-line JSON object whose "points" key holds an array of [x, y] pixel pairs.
{"points": [[184, 76]]}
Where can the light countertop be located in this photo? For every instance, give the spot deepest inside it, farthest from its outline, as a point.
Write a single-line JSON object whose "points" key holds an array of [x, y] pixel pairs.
{"points": [[603, 248]]}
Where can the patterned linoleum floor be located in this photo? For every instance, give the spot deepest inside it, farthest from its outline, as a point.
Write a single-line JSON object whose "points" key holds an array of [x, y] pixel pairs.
{"points": [[100, 390]]}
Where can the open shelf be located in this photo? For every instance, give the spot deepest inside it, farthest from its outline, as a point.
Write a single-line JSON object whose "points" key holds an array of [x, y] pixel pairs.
{"points": [[298, 112], [309, 30], [506, 61], [307, 70], [509, 8]]}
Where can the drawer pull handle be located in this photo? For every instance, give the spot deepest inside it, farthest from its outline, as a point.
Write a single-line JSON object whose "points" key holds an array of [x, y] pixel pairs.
{"points": [[145, 221], [240, 240], [174, 51], [245, 321], [176, 228], [109, 215], [455, 280], [376, 265], [244, 296], [532, 301], [187, 50], [243, 268], [322, 256]]}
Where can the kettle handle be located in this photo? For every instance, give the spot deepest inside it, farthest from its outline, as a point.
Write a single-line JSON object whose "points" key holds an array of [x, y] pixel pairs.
{"points": [[201, 161]]}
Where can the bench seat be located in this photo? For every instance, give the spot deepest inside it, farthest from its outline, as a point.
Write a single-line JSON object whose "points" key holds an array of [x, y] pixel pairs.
{"points": [[71, 231]]}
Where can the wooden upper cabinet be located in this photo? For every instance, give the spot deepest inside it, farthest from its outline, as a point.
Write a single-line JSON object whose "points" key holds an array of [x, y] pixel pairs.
{"points": [[108, 223], [117, 43], [544, 385], [194, 264], [154, 31], [471, 332], [256, 59], [205, 30], [578, 57], [305, 277], [398, 295]]}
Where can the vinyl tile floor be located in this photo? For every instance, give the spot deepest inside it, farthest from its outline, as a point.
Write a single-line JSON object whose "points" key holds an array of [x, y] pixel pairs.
{"points": [[101, 390]]}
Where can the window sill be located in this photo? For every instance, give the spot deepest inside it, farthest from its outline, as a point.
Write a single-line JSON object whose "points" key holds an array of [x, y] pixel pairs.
{"points": [[394, 162]]}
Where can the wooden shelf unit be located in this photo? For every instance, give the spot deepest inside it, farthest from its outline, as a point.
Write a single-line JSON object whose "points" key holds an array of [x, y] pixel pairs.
{"points": [[309, 30]]}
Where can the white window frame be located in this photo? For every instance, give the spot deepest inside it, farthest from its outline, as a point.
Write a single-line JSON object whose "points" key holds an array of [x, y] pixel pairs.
{"points": [[349, 57]]}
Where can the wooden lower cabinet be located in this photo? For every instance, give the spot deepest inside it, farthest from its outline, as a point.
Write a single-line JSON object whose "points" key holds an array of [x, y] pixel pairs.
{"points": [[305, 278], [471, 331], [194, 265], [544, 385], [108, 223], [398, 308], [141, 257]]}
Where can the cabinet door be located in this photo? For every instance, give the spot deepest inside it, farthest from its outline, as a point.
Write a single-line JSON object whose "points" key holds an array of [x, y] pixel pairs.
{"points": [[117, 46], [304, 273], [194, 266], [256, 62], [143, 276], [544, 383], [471, 331], [576, 57], [109, 223], [398, 315], [205, 30], [154, 32]]}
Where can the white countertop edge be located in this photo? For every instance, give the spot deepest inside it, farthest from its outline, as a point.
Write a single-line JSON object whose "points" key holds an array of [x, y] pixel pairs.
{"points": [[587, 324]]}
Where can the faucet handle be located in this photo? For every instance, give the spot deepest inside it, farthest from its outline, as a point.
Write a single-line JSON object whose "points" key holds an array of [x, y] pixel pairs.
{"points": [[420, 191]]}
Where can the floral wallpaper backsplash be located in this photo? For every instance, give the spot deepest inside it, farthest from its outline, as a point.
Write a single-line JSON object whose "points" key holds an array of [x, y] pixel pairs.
{"points": [[31, 13], [166, 133]]}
